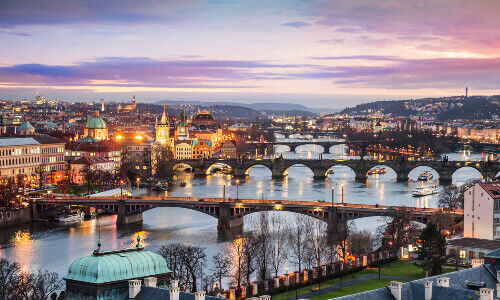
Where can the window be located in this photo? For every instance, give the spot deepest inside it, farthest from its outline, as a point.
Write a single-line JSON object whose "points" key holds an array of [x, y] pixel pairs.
{"points": [[462, 254]]}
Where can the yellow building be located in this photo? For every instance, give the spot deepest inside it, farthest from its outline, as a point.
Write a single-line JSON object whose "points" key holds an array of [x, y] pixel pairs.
{"points": [[129, 107], [164, 132]]}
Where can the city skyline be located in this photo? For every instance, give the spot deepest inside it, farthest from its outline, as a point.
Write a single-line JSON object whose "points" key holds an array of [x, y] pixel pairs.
{"points": [[322, 54]]}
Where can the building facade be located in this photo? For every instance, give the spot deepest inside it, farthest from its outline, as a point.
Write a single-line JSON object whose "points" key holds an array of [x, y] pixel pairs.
{"points": [[482, 211], [96, 128], [202, 149], [183, 150]]}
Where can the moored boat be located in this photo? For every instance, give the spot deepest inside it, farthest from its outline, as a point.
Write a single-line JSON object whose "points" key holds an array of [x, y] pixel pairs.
{"points": [[377, 171], [424, 191], [426, 176], [71, 216]]}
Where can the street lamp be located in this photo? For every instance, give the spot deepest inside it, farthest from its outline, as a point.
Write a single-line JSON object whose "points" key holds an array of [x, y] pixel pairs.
{"points": [[237, 188], [224, 193], [333, 195], [342, 192], [121, 189], [138, 180]]}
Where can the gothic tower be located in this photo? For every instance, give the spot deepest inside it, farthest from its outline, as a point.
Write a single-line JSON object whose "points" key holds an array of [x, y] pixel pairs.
{"points": [[164, 135]]}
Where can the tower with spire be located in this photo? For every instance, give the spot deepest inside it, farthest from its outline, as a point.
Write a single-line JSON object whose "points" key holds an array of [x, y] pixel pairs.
{"points": [[183, 128], [164, 134]]}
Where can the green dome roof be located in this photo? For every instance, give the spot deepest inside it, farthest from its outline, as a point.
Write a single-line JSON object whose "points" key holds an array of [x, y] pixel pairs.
{"points": [[112, 266], [26, 126], [96, 123]]}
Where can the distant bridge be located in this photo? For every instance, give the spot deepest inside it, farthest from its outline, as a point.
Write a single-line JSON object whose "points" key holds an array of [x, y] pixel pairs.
{"points": [[279, 167], [229, 212]]}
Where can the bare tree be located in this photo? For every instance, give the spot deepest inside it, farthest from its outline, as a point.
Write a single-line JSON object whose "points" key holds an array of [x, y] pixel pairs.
{"points": [[400, 229], [297, 240], [319, 242], [250, 247], [360, 243], [238, 259], [44, 284], [449, 197], [220, 268], [8, 275], [279, 250], [263, 245]]}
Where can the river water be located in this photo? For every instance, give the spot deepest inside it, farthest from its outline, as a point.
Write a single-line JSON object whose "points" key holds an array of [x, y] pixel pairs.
{"points": [[54, 246]]}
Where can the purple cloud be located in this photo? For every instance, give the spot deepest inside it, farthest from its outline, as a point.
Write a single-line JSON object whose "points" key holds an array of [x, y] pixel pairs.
{"points": [[297, 24]]}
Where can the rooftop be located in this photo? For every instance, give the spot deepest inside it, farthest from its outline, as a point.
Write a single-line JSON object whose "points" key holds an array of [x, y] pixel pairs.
{"points": [[118, 265], [9, 142], [475, 243], [149, 293], [492, 188]]}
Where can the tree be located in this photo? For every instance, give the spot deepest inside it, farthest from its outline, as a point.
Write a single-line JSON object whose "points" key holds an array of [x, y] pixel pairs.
{"points": [[8, 193], [444, 221], [400, 229], [450, 197], [220, 268], [44, 284], [238, 260], [432, 250], [360, 243], [250, 248], [297, 240], [162, 156], [8, 275], [263, 245], [186, 263], [279, 250]]}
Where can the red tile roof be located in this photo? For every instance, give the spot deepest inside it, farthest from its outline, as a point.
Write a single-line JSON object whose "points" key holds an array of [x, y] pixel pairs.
{"points": [[492, 188]]}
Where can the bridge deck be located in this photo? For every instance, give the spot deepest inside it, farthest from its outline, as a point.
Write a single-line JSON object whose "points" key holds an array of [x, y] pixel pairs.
{"points": [[159, 201]]}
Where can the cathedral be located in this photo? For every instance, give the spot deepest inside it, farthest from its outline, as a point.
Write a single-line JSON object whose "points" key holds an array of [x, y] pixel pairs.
{"points": [[129, 107]]}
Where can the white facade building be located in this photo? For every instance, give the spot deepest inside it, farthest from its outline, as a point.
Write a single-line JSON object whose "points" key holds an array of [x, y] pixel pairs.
{"points": [[482, 211]]}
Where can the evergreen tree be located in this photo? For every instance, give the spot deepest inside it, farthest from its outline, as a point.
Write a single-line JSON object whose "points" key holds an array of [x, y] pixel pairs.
{"points": [[432, 250]]}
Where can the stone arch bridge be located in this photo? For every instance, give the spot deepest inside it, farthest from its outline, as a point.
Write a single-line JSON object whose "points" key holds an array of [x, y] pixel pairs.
{"points": [[279, 167], [229, 213]]}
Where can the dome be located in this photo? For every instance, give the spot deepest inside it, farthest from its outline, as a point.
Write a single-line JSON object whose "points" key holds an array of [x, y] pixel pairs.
{"points": [[96, 123], [204, 116], [112, 266]]}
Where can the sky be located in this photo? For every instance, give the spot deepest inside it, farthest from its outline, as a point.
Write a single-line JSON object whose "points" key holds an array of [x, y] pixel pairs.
{"points": [[333, 53]]}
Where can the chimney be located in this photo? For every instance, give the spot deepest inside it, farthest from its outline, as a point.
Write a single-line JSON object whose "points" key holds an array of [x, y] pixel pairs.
{"points": [[498, 276], [498, 289], [200, 295], [150, 281], [265, 297], [395, 287], [485, 294], [477, 262], [443, 281], [428, 290], [134, 287], [174, 290]]}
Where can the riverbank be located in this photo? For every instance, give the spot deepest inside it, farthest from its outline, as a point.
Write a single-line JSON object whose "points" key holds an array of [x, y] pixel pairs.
{"points": [[11, 217]]}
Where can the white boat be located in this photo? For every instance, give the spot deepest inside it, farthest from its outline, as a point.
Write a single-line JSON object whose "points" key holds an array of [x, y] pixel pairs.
{"points": [[426, 176], [424, 191], [72, 216]]}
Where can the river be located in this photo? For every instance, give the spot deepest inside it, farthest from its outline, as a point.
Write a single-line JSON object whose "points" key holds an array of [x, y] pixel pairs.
{"points": [[54, 246]]}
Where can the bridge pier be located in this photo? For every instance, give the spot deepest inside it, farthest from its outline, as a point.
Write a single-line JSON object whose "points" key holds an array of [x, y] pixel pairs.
{"points": [[319, 174], [123, 218], [228, 227], [402, 177]]}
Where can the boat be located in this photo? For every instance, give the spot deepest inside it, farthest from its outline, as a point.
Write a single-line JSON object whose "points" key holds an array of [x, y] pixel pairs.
{"points": [[159, 187], [424, 190], [71, 216], [426, 176], [377, 171], [182, 184], [330, 172]]}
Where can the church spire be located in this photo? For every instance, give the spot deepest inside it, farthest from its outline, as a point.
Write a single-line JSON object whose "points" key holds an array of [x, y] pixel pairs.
{"points": [[164, 117]]}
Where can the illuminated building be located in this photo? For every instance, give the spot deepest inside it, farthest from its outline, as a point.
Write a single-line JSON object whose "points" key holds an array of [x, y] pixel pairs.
{"points": [[183, 149], [228, 150], [79, 166], [128, 108], [31, 156], [203, 120], [26, 128], [164, 134], [96, 128], [182, 130], [202, 148]]}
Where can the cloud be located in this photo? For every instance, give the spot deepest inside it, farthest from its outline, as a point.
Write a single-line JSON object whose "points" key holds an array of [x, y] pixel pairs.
{"points": [[16, 33], [297, 24], [139, 71], [456, 23], [29, 12], [361, 57]]}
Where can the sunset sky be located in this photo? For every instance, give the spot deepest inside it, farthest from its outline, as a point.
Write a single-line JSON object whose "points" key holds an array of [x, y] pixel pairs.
{"points": [[317, 53]]}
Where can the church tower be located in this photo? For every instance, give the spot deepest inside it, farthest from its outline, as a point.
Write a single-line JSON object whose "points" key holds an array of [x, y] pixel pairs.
{"points": [[183, 128], [164, 135]]}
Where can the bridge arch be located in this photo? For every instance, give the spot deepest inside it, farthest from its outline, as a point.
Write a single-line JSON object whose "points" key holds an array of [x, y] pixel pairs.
{"points": [[279, 148], [220, 167], [307, 169], [416, 171], [390, 173], [262, 166], [338, 149], [340, 171], [466, 173], [317, 148], [182, 167]]}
